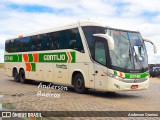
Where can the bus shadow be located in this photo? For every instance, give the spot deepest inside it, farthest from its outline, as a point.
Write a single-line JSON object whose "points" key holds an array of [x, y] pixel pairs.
{"points": [[112, 95], [90, 92]]}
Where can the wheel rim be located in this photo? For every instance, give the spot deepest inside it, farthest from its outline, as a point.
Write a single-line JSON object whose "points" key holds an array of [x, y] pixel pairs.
{"points": [[22, 76], [79, 83], [15, 76]]}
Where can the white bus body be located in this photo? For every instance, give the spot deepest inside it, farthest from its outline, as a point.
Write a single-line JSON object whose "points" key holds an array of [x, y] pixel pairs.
{"points": [[65, 56]]}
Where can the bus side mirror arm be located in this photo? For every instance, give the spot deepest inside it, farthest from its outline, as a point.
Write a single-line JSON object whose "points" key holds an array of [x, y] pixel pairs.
{"points": [[153, 43], [109, 40]]}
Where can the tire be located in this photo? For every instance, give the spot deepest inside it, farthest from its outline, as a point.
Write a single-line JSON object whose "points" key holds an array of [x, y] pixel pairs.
{"points": [[15, 75], [79, 85], [22, 76]]}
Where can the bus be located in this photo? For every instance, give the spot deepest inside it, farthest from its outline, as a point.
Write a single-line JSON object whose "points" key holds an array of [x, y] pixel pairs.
{"points": [[85, 55]]}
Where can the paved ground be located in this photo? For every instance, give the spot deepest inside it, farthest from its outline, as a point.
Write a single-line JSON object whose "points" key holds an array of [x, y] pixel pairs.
{"points": [[17, 96]]}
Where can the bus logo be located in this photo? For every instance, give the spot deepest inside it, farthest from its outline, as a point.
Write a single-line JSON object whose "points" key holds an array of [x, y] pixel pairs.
{"points": [[135, 76], [135, 80]]}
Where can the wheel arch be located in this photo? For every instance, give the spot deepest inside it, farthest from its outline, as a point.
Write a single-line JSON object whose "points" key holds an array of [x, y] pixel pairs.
{"points": [[74, 73], [21, 68]]}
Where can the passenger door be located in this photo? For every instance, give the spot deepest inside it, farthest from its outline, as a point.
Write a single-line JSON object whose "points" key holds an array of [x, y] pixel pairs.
{"points": [[101, 63]]}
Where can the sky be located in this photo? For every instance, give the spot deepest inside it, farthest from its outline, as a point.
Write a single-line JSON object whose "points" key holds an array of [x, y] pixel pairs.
{"points": [[18, 17]]}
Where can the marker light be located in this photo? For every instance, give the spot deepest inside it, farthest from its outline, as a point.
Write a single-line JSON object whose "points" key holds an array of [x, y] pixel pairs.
{"points": [[20, 36]]}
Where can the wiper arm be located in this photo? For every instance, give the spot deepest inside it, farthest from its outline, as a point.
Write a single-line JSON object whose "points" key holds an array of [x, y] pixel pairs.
{"points": [[137, 59], [128, 60]]}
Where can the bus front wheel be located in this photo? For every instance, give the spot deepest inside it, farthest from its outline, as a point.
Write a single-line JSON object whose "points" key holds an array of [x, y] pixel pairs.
{"points": [[22, 76], [79, 84], [15, 75]]}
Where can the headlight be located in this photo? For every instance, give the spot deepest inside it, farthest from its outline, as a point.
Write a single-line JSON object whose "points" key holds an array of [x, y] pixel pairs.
{"points": [[119, 78], [115, 77]]}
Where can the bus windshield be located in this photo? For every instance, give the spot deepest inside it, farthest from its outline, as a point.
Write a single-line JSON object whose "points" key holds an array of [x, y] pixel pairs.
{"points": [[129, 52]]}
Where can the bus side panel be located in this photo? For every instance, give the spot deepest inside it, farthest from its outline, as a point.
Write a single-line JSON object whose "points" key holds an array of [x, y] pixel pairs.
{"points": [[91, 76], [61, 73], [101, 78], [8, 69], [48, 72], [35, 73]]}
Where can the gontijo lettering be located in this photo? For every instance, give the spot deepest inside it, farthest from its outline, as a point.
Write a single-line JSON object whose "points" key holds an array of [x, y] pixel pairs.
{"points": [[58, 57], [54, 57]]}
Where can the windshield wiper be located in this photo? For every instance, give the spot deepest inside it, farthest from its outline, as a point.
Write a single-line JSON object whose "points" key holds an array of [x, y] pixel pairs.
{"points": [[128, 60], [130, 54], [137, 59]]}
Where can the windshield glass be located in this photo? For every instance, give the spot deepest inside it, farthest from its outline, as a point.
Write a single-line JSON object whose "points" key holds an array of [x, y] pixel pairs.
{"points": [[129, 51], [121, 56]]}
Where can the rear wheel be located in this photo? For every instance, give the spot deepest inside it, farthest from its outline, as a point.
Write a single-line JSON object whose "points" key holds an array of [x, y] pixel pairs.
{"points": [[15, 75], [22, 76], [79, 84]]}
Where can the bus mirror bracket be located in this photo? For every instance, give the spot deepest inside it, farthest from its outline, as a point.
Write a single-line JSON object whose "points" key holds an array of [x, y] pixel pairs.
{"points": [[109, 40], [153, 43]]}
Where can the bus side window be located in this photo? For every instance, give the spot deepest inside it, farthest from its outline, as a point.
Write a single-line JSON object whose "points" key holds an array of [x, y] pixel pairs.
{"points": [[62, 40], [38, 42], [43, 42], [7, 45], [48, 41], [68, 38], [14, 45], [79, 42], [75, 40], [55, 40], [22, 44], [33, 46]]}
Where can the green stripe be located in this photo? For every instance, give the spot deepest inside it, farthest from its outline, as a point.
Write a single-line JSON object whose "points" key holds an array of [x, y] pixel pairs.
{"points": [[115, 72], [13, 58], [133, 76], [57, 57], [20, 57], [30, 57], [144, 75], [33, 66], [73, 54]]}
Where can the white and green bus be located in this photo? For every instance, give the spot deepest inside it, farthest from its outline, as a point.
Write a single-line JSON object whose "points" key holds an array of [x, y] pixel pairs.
{"points": [[86, 55]]}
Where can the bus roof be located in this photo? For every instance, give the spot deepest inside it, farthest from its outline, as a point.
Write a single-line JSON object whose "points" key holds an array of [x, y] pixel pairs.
{"points": [[69, 26]]}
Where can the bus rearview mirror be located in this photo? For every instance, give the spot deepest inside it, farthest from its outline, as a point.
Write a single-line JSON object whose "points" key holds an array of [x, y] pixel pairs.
{"points": [[153, 43], [108, 38]]}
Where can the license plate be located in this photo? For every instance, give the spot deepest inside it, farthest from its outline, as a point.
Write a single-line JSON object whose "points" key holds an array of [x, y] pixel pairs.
{"points": [[134, 86]]}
